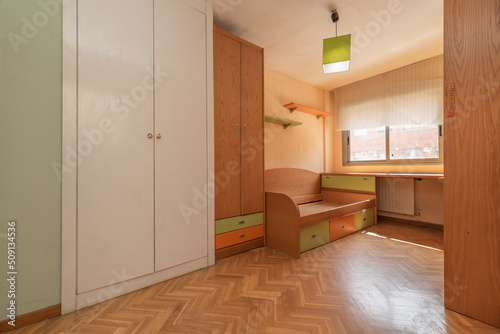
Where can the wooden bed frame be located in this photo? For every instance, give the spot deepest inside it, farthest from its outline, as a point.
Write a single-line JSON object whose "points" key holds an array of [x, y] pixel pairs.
{"points": [[295, 199]]}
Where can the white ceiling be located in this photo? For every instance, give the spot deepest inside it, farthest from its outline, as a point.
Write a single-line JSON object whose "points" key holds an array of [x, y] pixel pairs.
{"points": [[292, 32]]}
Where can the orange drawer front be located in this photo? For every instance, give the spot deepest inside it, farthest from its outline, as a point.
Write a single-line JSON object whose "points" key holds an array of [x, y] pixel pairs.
{"points": [[341, 227], [239, 236]]}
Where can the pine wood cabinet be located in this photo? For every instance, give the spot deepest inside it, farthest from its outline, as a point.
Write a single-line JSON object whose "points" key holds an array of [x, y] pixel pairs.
{"points": [[239, 142]]}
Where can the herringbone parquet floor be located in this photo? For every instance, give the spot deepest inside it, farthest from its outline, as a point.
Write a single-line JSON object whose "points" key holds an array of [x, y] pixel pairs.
{"points": [[385, 279]]}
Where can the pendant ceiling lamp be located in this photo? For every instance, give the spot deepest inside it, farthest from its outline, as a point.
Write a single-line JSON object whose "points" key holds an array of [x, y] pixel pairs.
{"points": [[336, 51]]}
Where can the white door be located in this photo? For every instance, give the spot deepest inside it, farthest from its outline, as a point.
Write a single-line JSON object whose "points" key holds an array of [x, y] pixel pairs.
{"points": [[181, 119], [115, 114]]}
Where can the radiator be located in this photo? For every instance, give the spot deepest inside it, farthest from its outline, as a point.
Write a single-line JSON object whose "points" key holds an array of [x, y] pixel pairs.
{"points": [[396, 195]]}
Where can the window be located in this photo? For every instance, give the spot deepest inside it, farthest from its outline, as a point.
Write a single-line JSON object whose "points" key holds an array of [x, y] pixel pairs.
{"points": [[393, 144], [367, 145], [414, 142]]}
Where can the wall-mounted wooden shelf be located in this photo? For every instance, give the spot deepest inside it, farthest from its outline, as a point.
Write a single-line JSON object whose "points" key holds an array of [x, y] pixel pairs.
{"points": [[316, 112], [281, 121]]}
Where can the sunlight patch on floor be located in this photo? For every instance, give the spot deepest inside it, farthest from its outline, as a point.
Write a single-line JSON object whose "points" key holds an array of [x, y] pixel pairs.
{"points": [[411, 243], [402, 241], [375, 235]]}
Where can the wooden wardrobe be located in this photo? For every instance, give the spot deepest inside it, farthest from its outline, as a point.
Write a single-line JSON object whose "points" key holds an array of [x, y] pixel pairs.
{"points": [[472, 159], [239, 144]]}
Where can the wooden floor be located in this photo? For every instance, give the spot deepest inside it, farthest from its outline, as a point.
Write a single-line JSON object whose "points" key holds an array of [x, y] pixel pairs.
{"points": [[385, 279]]}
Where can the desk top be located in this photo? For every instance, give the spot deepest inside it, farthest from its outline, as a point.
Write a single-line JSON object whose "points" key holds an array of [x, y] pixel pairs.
{"points": [[405, 175]]}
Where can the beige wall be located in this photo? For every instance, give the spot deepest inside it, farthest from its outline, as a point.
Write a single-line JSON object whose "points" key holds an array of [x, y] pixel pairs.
{"points": [[300, 146]]}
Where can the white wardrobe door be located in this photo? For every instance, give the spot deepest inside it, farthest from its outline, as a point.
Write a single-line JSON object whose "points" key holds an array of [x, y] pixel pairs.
{"points": [[115, 115], [181, 119]]}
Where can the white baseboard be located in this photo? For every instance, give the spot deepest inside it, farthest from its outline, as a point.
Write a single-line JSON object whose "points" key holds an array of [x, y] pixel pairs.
{"points": [[111, 291]]}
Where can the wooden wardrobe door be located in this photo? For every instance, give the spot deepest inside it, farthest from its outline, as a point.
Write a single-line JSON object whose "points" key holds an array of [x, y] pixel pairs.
{"points": [[115, 155], [472, 160], [227, 126], [252, 141], [181, 210]]}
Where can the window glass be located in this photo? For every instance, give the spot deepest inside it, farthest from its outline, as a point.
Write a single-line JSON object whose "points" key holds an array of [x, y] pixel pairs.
{"points": [[367, 145], [407, 142], [414, 142]]}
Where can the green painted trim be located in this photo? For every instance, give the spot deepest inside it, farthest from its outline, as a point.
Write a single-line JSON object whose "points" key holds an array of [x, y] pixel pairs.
{"points": [[281, 121], [348, 182], [239, 222], [363, 219], [321, 233]]}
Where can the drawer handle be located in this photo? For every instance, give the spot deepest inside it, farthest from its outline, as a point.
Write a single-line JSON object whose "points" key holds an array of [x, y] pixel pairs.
{"points": [[364, 218], [241, 222], [313, 236], [242, 236]]}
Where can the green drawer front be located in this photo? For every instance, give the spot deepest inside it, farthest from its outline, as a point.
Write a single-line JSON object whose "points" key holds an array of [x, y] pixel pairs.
{"points": [[314, 236], [363, 219], [360, 183], [237, 223]]}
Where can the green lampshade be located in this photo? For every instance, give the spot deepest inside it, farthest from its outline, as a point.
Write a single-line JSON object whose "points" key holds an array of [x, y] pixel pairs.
{"points": [[336, 54]]}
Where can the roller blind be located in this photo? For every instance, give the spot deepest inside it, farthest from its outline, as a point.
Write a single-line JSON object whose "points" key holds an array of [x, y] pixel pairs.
{"points": [[411, 95]]}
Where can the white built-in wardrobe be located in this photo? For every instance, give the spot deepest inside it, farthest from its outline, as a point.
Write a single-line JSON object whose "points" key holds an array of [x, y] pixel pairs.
{"points": [[137, 112]]}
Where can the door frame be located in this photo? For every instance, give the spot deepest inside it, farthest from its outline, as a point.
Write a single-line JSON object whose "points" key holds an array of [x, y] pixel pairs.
{"points": [[69, 168]]}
